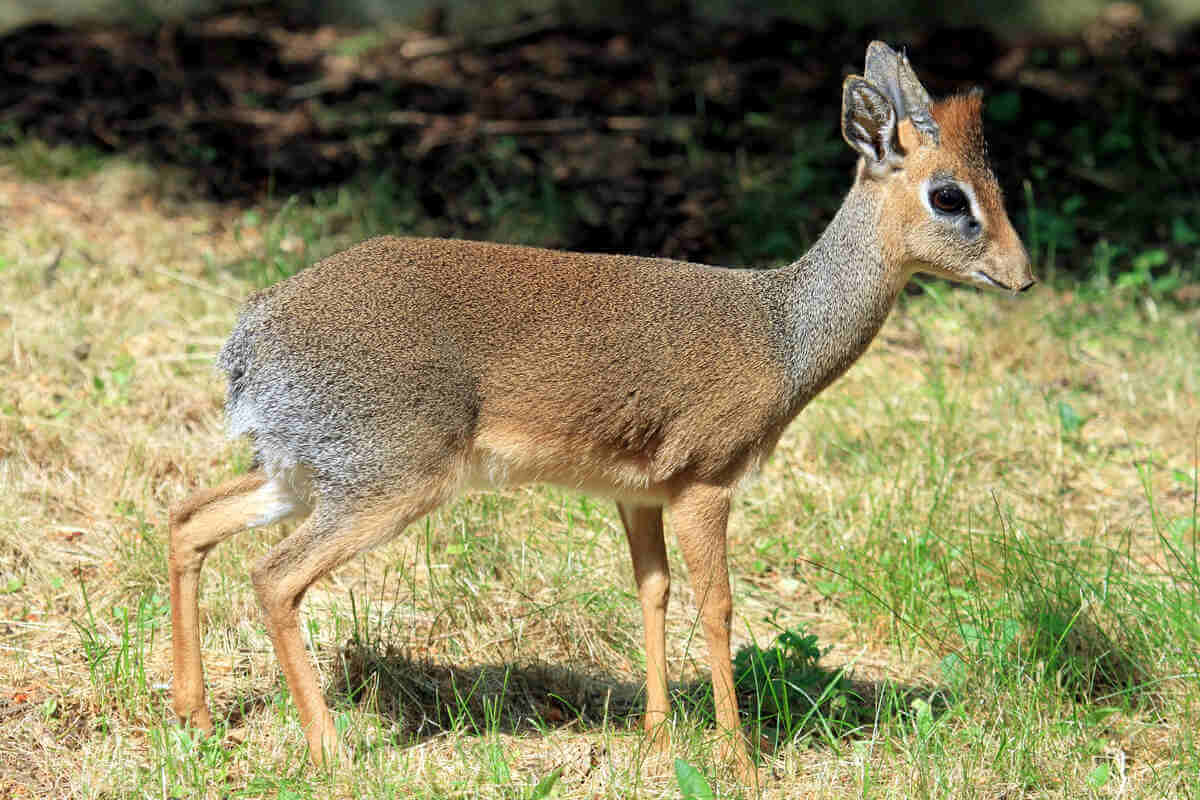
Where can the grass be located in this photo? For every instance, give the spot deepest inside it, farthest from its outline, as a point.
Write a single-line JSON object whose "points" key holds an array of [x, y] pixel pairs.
{"points": [[979, 549], [35, 160]]}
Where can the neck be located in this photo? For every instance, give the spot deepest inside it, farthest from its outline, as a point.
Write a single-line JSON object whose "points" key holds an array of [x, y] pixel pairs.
{"points": [[827, 307]]}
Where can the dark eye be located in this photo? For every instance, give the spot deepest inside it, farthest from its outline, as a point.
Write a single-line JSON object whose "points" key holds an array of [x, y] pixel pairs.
{"points": [[948, 199]]}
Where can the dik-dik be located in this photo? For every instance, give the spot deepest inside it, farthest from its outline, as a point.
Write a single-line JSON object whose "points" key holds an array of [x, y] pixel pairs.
{"points": [[384, 380]]}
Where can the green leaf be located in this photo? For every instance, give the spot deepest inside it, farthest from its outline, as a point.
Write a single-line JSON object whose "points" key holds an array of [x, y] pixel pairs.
{"points": [[1165, 284], [924, 713], [692, 784], [828, 588], [1072, 204], [1098, 776], [954, 671], [1182, 233], [1181, 476], [1150, 258], [542, 790], [1127, 280], [1097, 716], [1069, 417], [1181, 526]]}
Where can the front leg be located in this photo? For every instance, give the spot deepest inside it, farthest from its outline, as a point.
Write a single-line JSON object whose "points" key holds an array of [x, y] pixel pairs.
{"points": [[644, 529], [701, 514]]}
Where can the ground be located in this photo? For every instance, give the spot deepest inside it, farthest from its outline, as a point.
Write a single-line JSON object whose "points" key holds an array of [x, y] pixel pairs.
{"points": [[989, 525]]}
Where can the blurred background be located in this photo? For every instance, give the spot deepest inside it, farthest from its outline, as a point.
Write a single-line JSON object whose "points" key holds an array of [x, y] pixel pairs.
{"points": [[698, 130], [987, 531]]}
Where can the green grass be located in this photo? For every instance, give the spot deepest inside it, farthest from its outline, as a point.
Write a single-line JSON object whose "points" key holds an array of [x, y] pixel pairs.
{"points": [[33, 159], [989, 526]]}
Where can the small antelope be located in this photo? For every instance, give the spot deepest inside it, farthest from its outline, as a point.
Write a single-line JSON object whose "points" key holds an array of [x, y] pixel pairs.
{"points": [[382, 381]]}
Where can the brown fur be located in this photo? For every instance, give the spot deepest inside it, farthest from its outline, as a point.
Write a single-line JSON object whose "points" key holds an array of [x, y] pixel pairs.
{"points": [[197, 525], [185, 510], [960, 118], [652, 573], [516, 368], [907, 232], [385, 379]]}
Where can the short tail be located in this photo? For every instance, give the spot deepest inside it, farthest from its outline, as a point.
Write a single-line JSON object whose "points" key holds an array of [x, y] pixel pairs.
{"points": [[236, 360]]}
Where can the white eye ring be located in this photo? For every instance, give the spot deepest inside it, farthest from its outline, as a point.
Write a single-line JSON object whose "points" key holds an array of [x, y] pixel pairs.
{"points": [[930, 186]]}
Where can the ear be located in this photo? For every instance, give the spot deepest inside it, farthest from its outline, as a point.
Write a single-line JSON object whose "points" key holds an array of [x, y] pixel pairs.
{"points": [[883, 72], [869, 123], [891, 73]]}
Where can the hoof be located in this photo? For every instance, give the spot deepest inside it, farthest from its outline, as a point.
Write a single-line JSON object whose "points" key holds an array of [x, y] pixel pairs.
{"points": [[197, 718]]}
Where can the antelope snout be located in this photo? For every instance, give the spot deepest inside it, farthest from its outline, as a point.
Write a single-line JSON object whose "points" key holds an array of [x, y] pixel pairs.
{"points": [[1024, 279], [1013, 269]]}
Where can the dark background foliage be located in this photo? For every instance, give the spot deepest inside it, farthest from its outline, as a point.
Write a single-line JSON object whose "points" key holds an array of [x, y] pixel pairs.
{"points": [[656, 130]]}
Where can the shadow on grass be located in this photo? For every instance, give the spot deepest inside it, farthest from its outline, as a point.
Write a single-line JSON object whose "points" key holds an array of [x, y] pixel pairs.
{"points": [[424, 699], [244, 709]]}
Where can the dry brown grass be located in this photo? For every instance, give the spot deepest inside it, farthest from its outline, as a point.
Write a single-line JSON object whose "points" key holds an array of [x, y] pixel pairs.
{"points": [[112, 304]]}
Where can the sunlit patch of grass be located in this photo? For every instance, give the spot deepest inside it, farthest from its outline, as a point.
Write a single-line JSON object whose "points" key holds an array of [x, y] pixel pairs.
{"points": [[989, 525], [35, 160]]}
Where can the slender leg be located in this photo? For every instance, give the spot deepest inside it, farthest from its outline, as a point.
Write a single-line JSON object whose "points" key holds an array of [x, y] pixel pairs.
{"points": [[644, 529], [324, 542], [196, 526], [701, 514]]}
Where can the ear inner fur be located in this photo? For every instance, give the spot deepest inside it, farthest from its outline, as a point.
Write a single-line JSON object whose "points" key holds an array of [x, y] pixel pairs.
{"points": [[869, 121]]}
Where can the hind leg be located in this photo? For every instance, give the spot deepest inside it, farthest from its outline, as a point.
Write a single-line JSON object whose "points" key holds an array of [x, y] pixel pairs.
{"points": [[197, 525], [326, 540]]}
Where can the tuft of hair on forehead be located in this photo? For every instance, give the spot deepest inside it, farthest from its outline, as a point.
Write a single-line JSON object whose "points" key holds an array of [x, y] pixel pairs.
{"points": [[960, 119]]}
